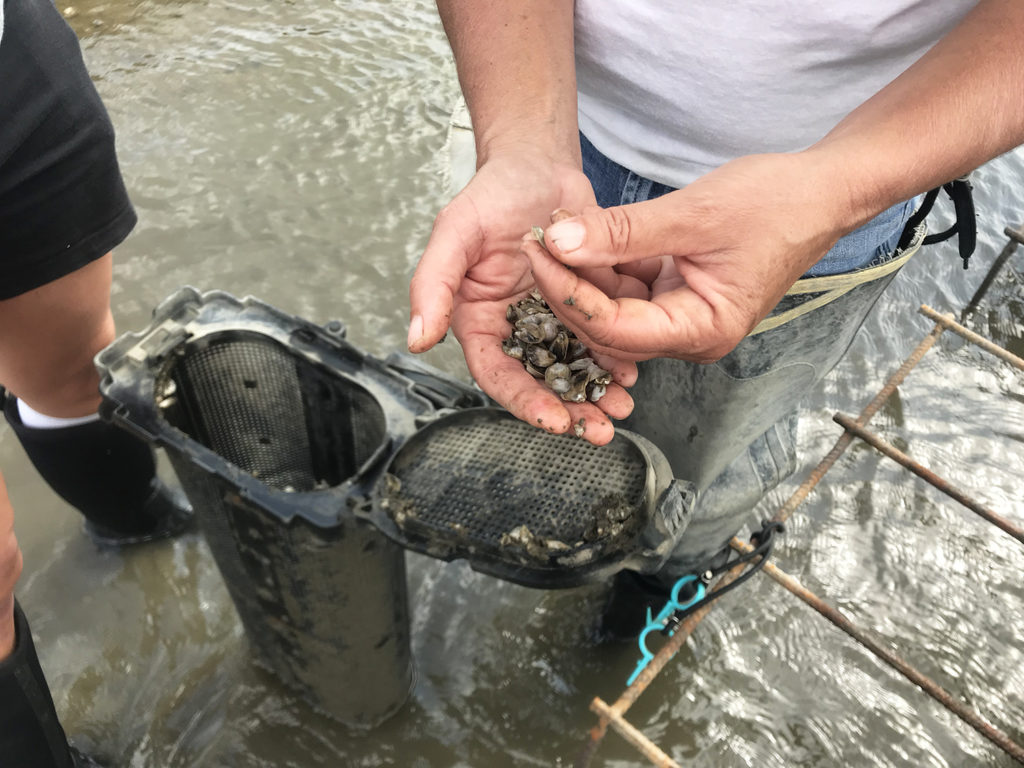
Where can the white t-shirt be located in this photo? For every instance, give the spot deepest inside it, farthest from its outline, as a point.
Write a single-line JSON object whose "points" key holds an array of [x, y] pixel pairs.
{"points": [[672, 89]]}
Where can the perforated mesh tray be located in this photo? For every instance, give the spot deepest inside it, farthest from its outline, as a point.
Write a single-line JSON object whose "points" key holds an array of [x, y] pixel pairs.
{"points": [[529, 506]]}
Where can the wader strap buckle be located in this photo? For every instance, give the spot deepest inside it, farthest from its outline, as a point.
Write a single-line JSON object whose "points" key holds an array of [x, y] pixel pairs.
{"points": [[965, 226], [677, 608], [665, 622]]}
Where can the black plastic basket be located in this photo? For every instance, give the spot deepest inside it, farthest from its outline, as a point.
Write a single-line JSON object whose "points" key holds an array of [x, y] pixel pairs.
{"points": [[312, 465]]}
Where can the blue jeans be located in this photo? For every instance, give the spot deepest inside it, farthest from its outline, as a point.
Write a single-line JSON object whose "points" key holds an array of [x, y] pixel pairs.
{"points": [[730, 427]]}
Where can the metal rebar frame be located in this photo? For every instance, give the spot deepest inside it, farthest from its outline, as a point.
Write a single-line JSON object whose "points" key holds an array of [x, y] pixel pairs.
{"points": [[614, 715]]}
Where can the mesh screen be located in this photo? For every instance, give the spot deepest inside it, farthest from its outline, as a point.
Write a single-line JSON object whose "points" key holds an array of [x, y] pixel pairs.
{"points": [[274, 415], [484, 479], [326, 608]]}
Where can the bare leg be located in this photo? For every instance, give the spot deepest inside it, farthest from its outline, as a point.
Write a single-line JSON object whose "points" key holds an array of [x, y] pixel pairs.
{"points": [[10, 570], [48, 339], [30, 732], [49, 336]]}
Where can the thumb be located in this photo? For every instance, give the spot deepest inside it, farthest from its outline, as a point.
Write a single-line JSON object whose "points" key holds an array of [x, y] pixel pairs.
{"points": [[603, 237]]}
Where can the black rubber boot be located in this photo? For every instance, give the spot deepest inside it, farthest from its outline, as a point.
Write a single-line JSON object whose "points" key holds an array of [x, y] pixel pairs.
{"points": [[108, 475], [30, 733], [631, 594], [624, 614]]}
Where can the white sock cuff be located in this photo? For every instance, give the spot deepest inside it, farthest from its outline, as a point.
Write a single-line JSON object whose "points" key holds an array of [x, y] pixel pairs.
{"points": [[31, 418]]}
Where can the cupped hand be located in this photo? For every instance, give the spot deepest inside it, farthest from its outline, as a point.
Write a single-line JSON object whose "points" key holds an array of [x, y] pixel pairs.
{"points": [[472, 269], [694, 271]]}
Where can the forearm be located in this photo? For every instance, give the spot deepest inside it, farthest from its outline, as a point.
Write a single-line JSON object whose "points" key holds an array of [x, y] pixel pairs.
{"points": [[956, 108], [517, 71]]}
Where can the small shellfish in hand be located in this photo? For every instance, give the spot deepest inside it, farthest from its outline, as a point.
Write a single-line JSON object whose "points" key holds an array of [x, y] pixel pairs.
{"points": [[557, 377], [551, 352]]}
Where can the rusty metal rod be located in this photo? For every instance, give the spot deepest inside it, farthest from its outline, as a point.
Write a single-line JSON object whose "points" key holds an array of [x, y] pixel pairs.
{"points": [[870, 410], [667, 651], [948, 322], [629, 696], [1016, 237], [923, 682], [682, 634], [631, 734], [928, 476]]}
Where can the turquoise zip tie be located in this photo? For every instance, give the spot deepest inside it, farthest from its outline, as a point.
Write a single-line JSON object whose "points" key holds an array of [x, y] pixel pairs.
{"points": [[661, 621]]}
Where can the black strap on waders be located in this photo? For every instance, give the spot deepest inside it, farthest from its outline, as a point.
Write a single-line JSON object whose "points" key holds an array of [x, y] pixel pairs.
{"points": [[965, 227], [691, 591]]}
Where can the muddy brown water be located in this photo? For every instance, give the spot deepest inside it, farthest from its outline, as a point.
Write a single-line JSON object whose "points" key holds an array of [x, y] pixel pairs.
{"points": [[294, 151]]}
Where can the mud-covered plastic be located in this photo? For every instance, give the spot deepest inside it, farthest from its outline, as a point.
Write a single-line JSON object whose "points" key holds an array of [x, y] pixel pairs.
{"points": [[312, 465], [303, 425], [527, 506], [272, 425]]}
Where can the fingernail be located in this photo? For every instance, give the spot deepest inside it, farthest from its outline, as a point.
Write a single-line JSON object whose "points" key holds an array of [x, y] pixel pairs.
{"points": [[566, 235], [415, 330]]}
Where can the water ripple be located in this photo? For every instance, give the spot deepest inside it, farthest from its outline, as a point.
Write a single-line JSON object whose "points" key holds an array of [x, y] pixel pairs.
{"points": [[294, 151]]}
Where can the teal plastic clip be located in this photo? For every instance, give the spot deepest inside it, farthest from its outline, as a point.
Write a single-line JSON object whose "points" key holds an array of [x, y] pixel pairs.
{"points": [[660, 623]]}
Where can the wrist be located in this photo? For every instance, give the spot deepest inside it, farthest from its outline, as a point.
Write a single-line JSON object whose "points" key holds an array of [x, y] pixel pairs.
{"points": [[848, 187], [514, 144]]}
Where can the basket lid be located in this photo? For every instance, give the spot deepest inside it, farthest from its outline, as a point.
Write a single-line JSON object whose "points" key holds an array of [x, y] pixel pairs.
{"points": [[531, 507]]}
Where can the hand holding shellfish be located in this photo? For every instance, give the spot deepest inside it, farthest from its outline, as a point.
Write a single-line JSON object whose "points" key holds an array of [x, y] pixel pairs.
{"points": [[689, 274], [472, 270]]}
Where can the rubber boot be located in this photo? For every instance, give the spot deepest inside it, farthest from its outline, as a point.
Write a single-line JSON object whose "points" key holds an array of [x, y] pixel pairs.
{"points": [[108, 475], [624, 613], [30, 733]]}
